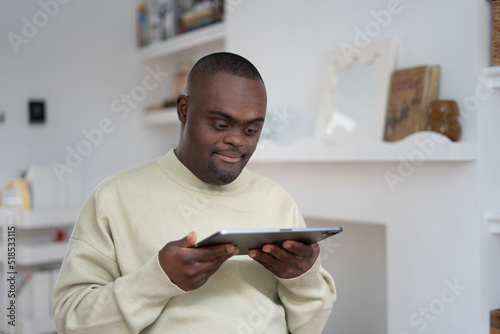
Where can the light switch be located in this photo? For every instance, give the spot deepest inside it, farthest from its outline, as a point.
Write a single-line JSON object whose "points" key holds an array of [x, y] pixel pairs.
{"points": [[37, 112]]}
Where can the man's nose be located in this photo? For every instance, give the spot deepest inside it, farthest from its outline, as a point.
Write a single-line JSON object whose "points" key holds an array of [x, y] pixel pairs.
{"points": [[234, 137]]}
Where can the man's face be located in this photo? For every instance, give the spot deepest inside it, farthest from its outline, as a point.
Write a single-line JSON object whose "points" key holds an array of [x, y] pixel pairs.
{"points": [[222, 121]]}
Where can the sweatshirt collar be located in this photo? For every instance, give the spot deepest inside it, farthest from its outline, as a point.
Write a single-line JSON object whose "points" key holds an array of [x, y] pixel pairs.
{"points": [[180, 174]]}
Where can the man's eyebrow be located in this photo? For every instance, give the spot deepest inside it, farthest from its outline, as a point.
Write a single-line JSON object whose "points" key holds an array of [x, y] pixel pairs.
{"points": [[221, 113], [230, 118]]}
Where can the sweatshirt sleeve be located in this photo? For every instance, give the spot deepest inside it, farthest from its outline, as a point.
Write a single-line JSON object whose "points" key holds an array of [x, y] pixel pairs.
{"points": [[308, 299], [91, 294]]}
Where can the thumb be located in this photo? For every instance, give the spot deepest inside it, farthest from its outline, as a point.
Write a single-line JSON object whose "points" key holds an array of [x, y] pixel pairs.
{"points": [[188, 241]]}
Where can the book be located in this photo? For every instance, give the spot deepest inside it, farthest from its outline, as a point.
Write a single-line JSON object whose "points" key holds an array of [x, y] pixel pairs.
{"points": [[201, 14], [410, 93], [167, 16], [34, 295], [143, 23]]}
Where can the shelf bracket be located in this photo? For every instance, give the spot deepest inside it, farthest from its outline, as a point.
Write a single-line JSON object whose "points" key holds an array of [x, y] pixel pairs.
{"points": [[493, 219]]}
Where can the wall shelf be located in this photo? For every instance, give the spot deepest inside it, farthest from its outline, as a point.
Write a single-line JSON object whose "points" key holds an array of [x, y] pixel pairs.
{"points": [[212, 33], [45, 218], [420, 146], [41, 258], [492, 75], [39, 254], [184, 46]]}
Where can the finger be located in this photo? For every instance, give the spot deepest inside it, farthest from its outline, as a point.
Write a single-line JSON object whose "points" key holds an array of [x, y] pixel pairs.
{"points": [[282, 263], [212, 253], [271, 263], [203, 270], [300, 249], [268, 258], [279, 253], [262, 257], [188, 241]]}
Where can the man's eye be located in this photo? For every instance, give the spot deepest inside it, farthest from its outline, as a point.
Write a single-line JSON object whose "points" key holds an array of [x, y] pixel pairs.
{"points": [[250, 131], [220, 125]]}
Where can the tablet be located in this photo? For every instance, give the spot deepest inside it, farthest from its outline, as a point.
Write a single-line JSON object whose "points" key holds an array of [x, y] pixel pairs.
{"points": [[253, 239]]}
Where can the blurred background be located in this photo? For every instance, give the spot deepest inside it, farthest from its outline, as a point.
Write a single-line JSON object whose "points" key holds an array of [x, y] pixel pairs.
{"points": [[417, 253]]}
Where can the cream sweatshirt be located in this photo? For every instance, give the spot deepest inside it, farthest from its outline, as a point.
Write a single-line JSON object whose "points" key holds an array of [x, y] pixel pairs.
{"points": [[111, 280]]}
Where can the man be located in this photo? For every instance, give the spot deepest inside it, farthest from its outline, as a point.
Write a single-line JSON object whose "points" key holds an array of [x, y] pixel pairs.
{"points": [[129, 266]]}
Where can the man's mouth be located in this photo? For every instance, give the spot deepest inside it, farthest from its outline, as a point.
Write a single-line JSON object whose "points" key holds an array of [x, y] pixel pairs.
{"points": [[230, 157]]}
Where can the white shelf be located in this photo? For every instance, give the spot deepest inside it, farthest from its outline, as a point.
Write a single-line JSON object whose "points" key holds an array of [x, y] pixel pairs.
{"points": [[45, 218], [161, 117], [420, 146], [39, 254], [212, 33], [29, 255], [179, 46], [493, 219], [492, 75]]}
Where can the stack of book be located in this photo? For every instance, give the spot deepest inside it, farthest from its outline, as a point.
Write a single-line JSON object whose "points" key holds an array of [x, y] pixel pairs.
{"points": [[159, 20], [202, 14]]}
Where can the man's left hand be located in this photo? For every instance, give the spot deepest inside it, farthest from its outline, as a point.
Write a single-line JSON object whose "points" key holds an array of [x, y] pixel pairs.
{"points": [[289, 261]]}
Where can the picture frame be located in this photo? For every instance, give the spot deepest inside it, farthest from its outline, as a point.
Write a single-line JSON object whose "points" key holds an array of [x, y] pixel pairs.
{"points": [[349, 73]]}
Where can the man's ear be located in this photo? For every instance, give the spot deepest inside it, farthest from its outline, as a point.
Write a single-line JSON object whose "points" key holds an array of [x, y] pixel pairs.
{"points": [[182, 108]]}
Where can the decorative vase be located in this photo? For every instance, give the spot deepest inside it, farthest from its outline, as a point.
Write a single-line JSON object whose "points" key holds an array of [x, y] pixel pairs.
{"points": [[443, 118]]}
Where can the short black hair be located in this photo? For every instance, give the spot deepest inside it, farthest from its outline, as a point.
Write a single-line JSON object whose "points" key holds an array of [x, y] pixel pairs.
{"points": [[208, 66]]}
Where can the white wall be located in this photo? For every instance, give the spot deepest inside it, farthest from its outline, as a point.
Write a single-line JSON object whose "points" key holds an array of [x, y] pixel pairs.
{"points": [[436, 236], [84, 58], [360, 276], [489, 180], [80, 61], [431, 231]]}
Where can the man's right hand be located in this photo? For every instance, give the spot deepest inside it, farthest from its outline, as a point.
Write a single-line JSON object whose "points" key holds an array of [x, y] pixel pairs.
{"points": [[189, 268]]}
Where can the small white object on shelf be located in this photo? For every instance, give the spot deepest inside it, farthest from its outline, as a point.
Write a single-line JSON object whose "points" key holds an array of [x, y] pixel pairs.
{"points": [[493, 219], [492, 75], [50, 189], [161, 117], [420, 146]]}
